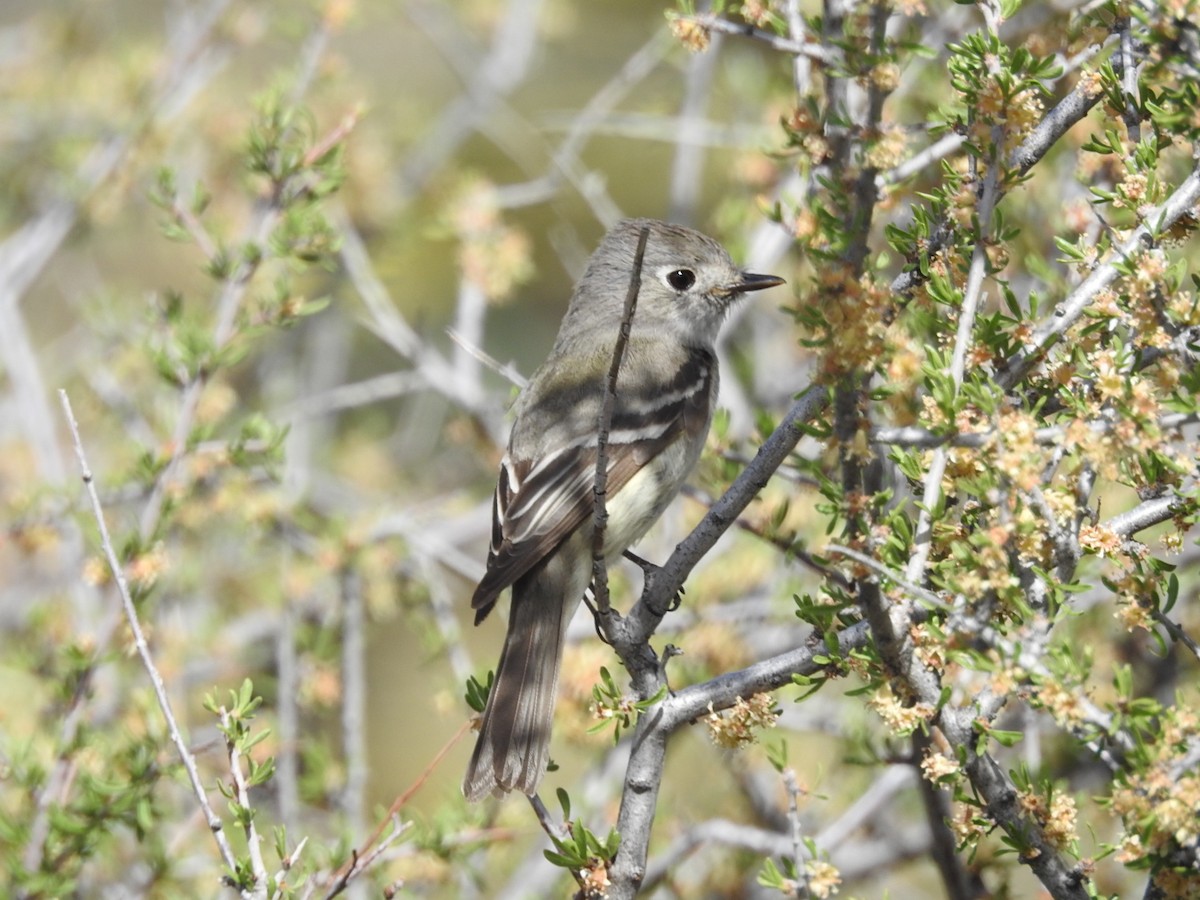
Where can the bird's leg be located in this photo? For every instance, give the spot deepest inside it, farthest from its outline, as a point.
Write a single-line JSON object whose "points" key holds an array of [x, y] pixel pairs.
{"points": [[670, 651], [598, 616], [649, 572]]}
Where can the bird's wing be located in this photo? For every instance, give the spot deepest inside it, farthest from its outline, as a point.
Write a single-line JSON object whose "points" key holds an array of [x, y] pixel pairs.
{"points": [[538, 503]]}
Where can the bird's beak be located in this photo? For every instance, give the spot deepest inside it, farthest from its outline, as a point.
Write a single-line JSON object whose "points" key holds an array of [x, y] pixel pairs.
{"points": [[753, 282]]}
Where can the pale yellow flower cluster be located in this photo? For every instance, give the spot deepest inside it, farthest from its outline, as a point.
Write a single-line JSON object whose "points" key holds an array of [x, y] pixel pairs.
{"points": [[1063, 702], [1100, 540], [970, 825], [888, 149], [1018, 114], [694, 35], [1018, 456], [1161, 799], [823, 878], [900, 717], [937, 766], [757, 12], [493, 255], [738, 726], [1057, 818], [855, 308]]}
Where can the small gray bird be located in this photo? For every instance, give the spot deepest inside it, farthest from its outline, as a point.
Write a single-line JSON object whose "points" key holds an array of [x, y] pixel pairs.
{"points": [[543, 505]]}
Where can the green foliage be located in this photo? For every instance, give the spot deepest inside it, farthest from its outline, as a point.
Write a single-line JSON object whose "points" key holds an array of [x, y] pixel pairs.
{"points": [[477, 692], [581, 850], [615, 708]]}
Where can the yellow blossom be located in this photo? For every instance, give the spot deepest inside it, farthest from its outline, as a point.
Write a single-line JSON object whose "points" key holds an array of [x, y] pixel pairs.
{"points": [[937, 766], [737, 727], [901, 718], [691, 33], [1091, 83], [1100, 540], [823, 878], [144, 570]]}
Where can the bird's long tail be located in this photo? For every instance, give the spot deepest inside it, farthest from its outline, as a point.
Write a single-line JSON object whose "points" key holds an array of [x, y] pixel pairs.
{"points": [[513, 748]]}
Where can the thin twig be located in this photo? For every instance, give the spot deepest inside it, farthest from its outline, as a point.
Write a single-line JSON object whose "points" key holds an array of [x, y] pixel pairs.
{"points": [[505, 370], [352, 866], [600, 486], [923, 536], [553, 830], [789, 546], [160, 692], [354, 697], [360, 862], [816, 52], [895, 577], [242, 791]]}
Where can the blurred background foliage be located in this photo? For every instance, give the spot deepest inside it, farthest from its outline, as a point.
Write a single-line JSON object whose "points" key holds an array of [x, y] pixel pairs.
{"points": [[239, 235], [126, 135]]}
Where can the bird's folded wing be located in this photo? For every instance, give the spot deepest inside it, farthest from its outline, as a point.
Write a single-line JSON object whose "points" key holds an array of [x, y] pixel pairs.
{"points": [[539, 503], [532, 516]]}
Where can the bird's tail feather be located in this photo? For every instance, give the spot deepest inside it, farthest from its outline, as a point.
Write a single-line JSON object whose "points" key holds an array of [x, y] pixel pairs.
{"points": [[513, 748]]}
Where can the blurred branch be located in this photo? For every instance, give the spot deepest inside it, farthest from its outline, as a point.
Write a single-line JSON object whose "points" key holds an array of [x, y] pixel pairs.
{"points": [[500, 71], [387, 323], [367, 392], [687, 167], [25, 254], [439, 539], [287, 758], [442, 602], [565, 164], [507, 371], [354, 698], [233, 291]]}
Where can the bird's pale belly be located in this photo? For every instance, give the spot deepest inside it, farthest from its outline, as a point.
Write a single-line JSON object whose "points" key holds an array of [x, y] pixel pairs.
{"points": [[642, 500]]}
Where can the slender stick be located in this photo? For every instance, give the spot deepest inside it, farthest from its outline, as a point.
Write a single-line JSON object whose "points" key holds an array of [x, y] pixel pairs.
{"points": [[139, 639], [600, 488], [371, 845], [242, 791]]}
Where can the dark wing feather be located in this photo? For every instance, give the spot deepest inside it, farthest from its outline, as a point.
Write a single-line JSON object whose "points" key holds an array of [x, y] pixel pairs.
{"points": [[539, 504], [567, 486]]}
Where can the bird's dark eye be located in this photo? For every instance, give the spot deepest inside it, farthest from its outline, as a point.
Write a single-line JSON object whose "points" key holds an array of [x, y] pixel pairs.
{"points": [[681, 279]]}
